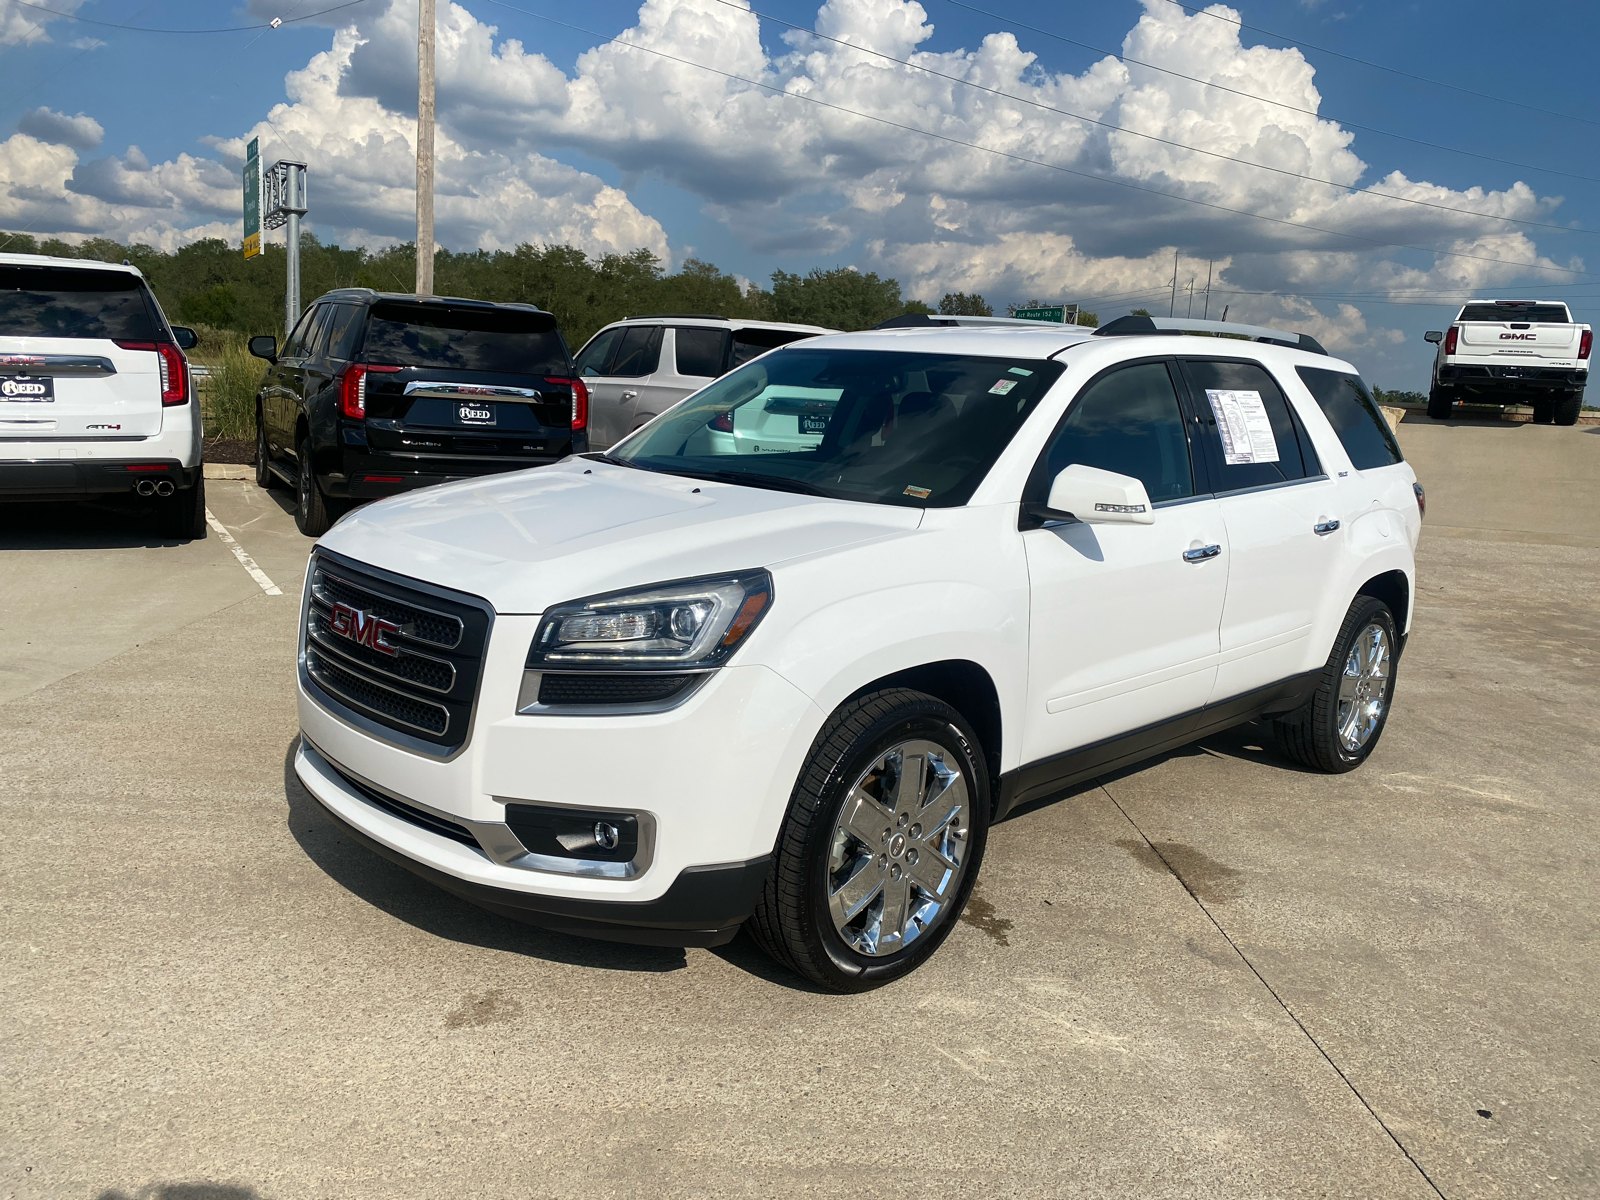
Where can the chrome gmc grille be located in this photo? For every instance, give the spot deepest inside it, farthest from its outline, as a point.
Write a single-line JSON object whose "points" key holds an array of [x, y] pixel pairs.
{"points": [[395, 653]]}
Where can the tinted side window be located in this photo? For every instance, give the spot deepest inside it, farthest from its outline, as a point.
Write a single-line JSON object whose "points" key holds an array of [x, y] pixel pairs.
{"points": [[701, 351], [751, 343], [344, 330], [295, 345], [1128, 422], [317, 338], [1250, 434], [638, 352], [70, 302], [1354, 415], [596, 356]]}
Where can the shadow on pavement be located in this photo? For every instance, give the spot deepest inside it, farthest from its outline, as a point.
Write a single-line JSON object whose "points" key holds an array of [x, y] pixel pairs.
{"points": [[402, 895], [184, 1191], [80, 525]]}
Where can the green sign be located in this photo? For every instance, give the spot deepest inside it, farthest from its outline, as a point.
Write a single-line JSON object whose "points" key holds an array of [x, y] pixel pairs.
{"points": [[252, 200], [1052, 312]]}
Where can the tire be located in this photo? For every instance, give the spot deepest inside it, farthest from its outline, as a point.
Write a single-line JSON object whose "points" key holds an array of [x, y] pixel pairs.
{"points": [[1567, 409], [1544, 410], [265, 476], [1336, 730], [311, 514], [1440, 403], [856, 758], [183, 514]]}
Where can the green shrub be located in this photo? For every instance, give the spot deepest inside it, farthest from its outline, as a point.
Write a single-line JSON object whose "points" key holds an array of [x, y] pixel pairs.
{"points": [[228, 392]]}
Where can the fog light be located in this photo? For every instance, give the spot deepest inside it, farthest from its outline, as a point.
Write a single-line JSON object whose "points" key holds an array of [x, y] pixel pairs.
{"points": [[606, 835], [574, 833]]}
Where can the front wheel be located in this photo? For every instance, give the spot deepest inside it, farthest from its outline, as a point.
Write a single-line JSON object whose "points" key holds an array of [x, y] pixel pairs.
{"points": [[1336, 730], [1544, 410], [1440, 403], [881, 845]]}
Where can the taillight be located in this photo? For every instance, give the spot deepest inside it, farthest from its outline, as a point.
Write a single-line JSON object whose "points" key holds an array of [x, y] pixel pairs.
{"points": [[174, 370], [580, 399], [353, 389], [1586, 343], [723, 422], [1422, 499], [1450, 337]]}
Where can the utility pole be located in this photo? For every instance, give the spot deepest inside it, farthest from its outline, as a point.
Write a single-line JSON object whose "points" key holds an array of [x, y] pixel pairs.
{"points": [[1207, 315], [425, 35], [1190, 313], [1172, 306], [291, 292]]}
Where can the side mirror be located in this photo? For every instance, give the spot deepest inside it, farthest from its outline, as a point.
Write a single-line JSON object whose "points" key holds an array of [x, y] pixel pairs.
{"points": [[1433, 335], [186, 338], [265, 346], [1096, 497]]}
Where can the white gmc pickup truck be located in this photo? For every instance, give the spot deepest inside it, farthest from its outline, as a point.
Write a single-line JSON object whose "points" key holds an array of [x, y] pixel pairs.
{"points": [[1512, 352]]}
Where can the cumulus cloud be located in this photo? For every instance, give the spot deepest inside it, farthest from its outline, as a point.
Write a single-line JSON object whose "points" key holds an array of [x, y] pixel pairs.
{"points": [[972, 177], [80, 132], [21, 25]]}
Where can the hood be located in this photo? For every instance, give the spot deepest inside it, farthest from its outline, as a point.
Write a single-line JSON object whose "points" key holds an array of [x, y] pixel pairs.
{"points": [[527, 540]]}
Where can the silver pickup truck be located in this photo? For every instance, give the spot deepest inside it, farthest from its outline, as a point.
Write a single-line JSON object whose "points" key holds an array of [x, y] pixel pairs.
{"points": [[1512, 352]]}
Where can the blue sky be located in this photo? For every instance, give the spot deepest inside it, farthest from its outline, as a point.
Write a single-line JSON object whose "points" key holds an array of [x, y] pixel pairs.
{"points": [[194, 96]]}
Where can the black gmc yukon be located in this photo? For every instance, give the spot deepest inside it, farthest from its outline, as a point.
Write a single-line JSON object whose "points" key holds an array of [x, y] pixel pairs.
{"points": [[376, 393]]}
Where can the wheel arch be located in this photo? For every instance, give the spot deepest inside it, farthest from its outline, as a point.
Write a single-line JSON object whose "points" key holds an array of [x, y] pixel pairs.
{"points": [[1394, 589], [965, 686]]}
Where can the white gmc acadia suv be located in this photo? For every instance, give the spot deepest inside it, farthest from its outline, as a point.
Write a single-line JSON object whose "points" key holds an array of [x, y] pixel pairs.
{"points": [[782, 656]]}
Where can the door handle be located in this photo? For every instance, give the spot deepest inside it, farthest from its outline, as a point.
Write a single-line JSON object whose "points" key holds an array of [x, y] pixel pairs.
{"points": [[1324, 528], [1201, 553], [629, 394]]}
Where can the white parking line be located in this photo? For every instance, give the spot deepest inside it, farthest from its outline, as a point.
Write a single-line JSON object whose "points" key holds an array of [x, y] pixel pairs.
{"points": [[245, 561]]}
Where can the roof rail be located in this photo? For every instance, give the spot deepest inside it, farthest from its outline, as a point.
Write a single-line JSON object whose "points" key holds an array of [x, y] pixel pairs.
{"points": [[1131, 326], [679, 316], [925, 320]]}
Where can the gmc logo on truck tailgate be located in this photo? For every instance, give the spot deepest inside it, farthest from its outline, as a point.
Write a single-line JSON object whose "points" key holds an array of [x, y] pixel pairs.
{"points": [[362, 628], [1519, 337]]}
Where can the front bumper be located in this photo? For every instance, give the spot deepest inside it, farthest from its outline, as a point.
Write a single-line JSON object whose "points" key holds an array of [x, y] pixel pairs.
{"points": [[710, 780]]}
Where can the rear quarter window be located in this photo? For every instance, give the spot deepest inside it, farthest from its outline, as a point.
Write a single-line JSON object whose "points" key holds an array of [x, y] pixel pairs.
{"points": [[495, 340], [66, 302], [1349, 405]]}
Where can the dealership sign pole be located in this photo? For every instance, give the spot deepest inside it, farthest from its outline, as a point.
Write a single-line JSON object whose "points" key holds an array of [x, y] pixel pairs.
{"points": [[286, 202], [252, 200]]}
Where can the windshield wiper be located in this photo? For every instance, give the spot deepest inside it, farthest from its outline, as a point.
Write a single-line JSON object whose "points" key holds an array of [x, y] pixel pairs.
{"points": [[777, 483]]}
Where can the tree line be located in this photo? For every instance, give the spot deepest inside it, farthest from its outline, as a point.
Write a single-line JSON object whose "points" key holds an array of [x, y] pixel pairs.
{"points": [[210, 283]]}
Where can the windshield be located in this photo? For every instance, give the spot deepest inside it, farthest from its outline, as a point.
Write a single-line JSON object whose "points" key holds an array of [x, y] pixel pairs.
{"points": [[502, 340], [878, 425]]}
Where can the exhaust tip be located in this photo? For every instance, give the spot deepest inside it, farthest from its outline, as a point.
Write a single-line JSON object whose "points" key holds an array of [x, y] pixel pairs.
{"points": [[164, 488], [145, 487]]}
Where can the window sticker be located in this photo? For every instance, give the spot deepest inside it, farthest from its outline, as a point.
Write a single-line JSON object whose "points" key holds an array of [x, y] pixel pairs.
{"points": [[918, 493], [1019, 371], [1002, 387], [1245, 427]]}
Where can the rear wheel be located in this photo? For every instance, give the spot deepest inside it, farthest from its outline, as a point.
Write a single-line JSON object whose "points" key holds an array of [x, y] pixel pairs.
{"points": [[311, 514], [1440, 403], [183, 514], [1340, 725], [1567, 408], [881, 845]]}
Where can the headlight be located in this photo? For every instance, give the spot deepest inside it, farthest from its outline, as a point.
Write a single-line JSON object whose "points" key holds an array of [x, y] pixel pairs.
{"points": [[690, 623]]}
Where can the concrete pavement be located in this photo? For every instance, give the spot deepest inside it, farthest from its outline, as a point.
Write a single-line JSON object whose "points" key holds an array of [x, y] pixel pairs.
{"points": [[1212, 975]]}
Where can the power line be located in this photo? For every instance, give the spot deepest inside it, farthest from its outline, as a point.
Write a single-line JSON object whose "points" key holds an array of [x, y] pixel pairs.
{"points": [[1238, 212], [1549, 112], [1245, 162], [1310, 112], [146, 29]]}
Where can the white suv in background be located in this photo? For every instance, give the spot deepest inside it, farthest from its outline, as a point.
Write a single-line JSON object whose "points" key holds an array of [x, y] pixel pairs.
{"points": [[656, 694], [95, 394], [639, 368]]}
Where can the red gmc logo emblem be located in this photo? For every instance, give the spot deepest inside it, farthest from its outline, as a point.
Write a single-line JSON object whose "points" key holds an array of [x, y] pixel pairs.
{"points": [[362, 628]]}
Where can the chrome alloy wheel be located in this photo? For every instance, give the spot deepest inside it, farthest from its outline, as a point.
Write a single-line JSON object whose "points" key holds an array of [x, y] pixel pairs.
{"points": [[1364, 687], [899, 849]]}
